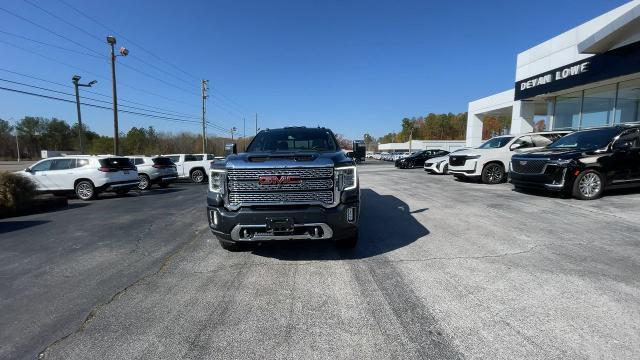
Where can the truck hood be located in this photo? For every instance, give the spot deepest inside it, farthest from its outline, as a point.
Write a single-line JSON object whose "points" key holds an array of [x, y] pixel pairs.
{"points": [[280, 159]]}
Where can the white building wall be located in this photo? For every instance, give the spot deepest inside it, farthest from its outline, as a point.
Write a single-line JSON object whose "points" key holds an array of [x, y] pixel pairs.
{"points": [[448, 145], [478, 108], [564, 48]]}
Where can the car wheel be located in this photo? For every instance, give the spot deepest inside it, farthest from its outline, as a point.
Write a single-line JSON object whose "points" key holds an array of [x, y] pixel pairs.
{"points": [[143, 182], [85, 190], [445, 169], [197, 176], [589, 185], [493, 174]]}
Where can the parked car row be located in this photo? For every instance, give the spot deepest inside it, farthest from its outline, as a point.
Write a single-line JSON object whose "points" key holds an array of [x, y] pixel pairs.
{"points": [[390, 156], [582, 164], [87, 176]]}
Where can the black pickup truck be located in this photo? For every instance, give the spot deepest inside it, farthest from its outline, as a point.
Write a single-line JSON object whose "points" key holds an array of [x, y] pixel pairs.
{"points": [[293, 183]]}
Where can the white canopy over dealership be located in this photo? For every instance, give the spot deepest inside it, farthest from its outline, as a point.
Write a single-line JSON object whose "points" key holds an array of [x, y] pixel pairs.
{"points": [[586, 77]]}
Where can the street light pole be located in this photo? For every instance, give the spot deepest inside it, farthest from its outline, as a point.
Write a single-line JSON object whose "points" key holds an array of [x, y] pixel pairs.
{"points": [[111, 40], [75, 80], [233, 129]]}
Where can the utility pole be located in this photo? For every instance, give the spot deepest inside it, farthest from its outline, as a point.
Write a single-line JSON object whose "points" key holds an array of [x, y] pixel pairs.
{"points": [[111, 40], [75, 79], [17, 143], [204, 111], [244, 133], [256, 123]]}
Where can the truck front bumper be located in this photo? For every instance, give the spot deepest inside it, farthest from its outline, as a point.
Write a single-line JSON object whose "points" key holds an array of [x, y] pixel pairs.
{"points": [[304, 223]]}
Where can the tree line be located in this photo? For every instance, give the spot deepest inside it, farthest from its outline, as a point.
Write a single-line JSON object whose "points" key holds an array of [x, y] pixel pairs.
{"points": [[431, 127], [37, 133]]}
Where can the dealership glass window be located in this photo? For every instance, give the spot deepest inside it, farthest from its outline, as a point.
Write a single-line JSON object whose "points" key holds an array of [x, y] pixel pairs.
{"points": [[597, 106], [567, 114], [628, 105]]}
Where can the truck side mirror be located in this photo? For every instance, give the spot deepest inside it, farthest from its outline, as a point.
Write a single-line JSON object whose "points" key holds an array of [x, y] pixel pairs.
{"points": [[230, 149]]}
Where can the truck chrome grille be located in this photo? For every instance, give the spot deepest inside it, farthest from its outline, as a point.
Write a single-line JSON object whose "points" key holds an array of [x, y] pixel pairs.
{"points": [[303, 173], [281, 197], [528, 166], [309, 184], [312, 186]]}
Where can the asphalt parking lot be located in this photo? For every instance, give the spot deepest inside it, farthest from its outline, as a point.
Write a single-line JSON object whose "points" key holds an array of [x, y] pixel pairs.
{"points": [[444, 269]]}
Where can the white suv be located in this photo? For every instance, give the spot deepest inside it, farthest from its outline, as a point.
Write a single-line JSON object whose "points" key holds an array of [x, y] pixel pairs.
{"points": [[192, 166], [154, 170], [86, 176], [489, 162]]}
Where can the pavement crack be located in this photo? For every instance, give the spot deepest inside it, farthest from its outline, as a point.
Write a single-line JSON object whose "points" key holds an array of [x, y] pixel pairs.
{"points": [[92, 314]]}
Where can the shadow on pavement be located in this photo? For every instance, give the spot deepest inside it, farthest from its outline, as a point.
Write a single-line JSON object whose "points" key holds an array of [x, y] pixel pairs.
{"points": [[136, 193], [9, 226], [386, 224]]}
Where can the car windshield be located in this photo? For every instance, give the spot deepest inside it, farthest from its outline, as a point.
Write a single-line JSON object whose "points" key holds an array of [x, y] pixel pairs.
{"points": [[496, 142], [293, 140], [586, 139]]}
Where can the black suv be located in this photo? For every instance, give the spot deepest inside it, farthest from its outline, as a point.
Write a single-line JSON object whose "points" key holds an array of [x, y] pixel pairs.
{"points": [[418, 159], [291, 184], [583, 163]]}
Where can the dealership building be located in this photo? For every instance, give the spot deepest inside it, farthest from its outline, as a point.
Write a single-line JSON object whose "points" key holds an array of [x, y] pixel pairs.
{"points": [[586, 77]]}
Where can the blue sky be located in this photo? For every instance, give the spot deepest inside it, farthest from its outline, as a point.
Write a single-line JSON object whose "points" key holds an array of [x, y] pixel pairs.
{"points": [[353, 66]]}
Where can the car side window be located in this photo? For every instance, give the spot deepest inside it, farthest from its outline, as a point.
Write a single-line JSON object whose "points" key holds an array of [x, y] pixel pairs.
{"points": [[175, 159], [541, 141], [524, 141], [198, 157], [42, 166], [138, 161], [209, 157], [190, 158], [632, 138], [63, 164], [82, 162]]}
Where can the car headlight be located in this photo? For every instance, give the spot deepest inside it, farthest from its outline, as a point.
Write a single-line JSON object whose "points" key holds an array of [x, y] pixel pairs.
{"points": [[561, 162], [216, 180], [346, 178]]}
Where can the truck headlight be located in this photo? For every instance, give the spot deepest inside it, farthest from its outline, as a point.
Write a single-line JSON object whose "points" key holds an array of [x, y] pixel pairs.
{"points": [[216, 181], [346, 178], [561, 162]]}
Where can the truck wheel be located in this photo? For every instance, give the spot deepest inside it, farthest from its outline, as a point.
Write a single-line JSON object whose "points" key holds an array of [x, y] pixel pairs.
{"points": [[143, 182], [85, 190], [348, 243], [197, 176], [230, 245], [588, 186], [493, 174]]}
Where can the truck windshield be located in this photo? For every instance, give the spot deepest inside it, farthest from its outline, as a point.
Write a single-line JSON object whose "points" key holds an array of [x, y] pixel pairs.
{"points": [[293, 140], [496, 142], [586, 139]]}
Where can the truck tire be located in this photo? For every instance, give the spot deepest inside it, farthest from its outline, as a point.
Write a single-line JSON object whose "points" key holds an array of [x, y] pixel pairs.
{"points": [[85, 190], [197, 176], [348, 243]]}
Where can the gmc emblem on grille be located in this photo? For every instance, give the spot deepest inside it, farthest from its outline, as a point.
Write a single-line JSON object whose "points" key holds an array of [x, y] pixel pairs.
{"points": [[278, 179], [523, 163]]}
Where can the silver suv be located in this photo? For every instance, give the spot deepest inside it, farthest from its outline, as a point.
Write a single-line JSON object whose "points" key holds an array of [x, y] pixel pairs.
{"points": [[154, 170]]}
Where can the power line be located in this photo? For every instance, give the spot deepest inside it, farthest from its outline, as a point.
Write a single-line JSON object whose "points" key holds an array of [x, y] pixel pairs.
{"points": [[99, 94], [47, 30], [231, 101], [52, 45], [100, 107], [64, 21]]}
